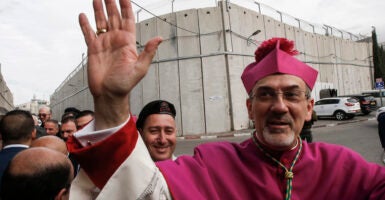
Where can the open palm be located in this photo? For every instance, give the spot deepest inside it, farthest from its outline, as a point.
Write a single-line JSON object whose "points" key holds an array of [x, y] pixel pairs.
{"points": [[114, 67]]}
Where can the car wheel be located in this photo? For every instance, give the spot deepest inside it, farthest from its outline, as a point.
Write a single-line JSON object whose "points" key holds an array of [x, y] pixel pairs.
{"points": [[366, 112], [340, 115]]}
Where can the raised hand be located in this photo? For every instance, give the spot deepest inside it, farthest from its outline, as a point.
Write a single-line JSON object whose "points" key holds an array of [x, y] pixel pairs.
{"points": [[114, 67]]}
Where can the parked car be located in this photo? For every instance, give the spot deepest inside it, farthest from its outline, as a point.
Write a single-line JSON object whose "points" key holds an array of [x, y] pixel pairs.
{"points": [[380, 111], [367, 102], [338, 107], [379, 96]]}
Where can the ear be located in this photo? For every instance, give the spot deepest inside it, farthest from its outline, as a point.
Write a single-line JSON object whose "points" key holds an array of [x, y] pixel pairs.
{"points": [[62, 195], [33, 134], [309, 110], [140, 131], [249, 105]]}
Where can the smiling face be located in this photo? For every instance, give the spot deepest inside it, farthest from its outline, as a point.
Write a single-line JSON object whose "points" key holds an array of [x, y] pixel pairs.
{"points": [[159, 135], [278, 106], [68, 129], [44, 114]]}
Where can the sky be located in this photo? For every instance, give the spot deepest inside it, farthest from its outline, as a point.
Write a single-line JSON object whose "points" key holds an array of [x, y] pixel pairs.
{"points": [[41, 42]]}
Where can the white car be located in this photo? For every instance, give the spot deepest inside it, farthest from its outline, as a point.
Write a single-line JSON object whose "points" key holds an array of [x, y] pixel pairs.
{"points": [[380, 111], [338, 107]]}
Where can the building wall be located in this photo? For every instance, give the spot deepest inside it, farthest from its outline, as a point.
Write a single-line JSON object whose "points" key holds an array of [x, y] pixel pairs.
{"points": [[199, 64], [6, 96]]}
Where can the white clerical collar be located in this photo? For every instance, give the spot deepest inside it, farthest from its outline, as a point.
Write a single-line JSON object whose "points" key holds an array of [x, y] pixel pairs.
{"points": [[15, 145]]}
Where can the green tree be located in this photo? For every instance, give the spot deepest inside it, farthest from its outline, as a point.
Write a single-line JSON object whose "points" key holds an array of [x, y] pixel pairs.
{"points": [[376, 57]]}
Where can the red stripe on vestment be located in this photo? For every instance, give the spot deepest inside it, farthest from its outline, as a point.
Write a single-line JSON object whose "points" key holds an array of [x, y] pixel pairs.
{"points": [[102, 159]]}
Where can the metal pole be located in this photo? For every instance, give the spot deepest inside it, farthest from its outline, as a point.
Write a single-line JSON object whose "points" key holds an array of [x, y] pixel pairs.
{"points": [[280, 15], [312, 27], [83, 69], [137, 15], [259, 6], [331, 29], [299, 22]]}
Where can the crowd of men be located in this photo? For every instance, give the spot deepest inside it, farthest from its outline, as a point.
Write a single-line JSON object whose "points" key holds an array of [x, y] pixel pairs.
{"points": [[38, 161], [112, 156], [34, 153]]}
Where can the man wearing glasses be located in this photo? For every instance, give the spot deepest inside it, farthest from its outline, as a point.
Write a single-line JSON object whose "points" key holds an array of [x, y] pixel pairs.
{"points": [[44, 114], [274, 163]]}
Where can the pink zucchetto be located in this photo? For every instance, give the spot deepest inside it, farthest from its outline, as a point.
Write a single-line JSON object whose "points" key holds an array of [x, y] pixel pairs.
{"points": [[276, 56]]}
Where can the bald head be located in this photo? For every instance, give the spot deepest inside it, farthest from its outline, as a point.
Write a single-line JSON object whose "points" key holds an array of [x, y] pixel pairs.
{"points": [[45, 174], [51, 142], [37, 159]]}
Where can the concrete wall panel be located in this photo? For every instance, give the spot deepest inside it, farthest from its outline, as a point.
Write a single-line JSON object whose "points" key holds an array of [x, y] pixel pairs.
{"points": [[148, 30], [300, 43], [188, 41], [136, 99], [216, 94], [210, 26], [240, 33], [191, 94], [168, 48], [169, 88], [280, 30], [311, 54], [324, 57], [330, 45], [362, 58], [290, 32], [270, 29], [151, 84], [238, 93], [350, 71], [340, 75], [190, 74]]}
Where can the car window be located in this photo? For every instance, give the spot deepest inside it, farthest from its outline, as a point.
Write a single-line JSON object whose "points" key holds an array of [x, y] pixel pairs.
{"points": [[352, 100], [334, 101]]}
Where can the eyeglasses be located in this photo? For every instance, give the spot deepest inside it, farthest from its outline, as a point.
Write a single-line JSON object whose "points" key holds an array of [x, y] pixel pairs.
{"points": [[42, 115], [292, 95]]}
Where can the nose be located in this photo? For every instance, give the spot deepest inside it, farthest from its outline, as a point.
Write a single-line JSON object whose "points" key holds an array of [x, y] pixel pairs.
{"points": [[279, 104], [162, 137]]}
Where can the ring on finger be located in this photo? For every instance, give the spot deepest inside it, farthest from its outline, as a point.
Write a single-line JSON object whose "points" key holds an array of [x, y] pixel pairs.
{"points": [[100, 31]]}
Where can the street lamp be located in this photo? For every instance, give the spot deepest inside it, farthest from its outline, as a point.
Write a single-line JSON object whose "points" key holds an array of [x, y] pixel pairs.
{"points": [[253, 34]]}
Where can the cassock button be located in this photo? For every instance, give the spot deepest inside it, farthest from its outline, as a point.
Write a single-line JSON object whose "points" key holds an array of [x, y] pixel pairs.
{"points": [[89, 143]]}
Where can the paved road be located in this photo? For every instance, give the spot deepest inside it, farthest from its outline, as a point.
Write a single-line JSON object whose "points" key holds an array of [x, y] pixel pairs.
{"points": [[359, 134]]}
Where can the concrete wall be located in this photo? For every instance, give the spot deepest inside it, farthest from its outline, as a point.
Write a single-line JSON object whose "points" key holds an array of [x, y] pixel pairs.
{"points": [[199, 64], [6, 96]]}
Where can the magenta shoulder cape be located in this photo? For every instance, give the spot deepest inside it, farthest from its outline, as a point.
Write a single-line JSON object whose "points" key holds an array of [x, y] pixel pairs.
{"points": [[240, 171]]}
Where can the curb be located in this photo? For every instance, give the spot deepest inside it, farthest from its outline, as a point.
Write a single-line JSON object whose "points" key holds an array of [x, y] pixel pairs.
{"points": [[246, 132]]}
